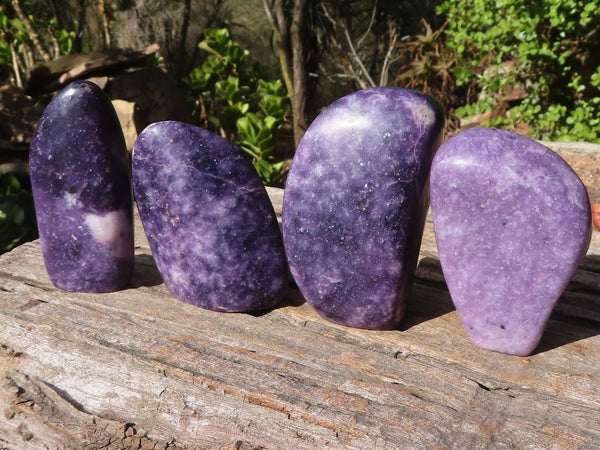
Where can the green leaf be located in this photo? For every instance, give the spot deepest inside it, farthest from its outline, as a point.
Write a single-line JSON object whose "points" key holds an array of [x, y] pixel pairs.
{"points": [[233, 100], [270, 122], [17, 215]]}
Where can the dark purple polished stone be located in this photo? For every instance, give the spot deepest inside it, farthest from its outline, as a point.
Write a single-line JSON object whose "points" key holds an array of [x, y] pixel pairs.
{"points": [[82, 191], [512, 223], [209, 221], [355, 203]]}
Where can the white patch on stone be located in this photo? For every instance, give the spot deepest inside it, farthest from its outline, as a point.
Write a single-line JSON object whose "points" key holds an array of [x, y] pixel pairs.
{"points": [[72, 199], [464, 162], [111, 228], [178, 277], [424, 114], [349, 123], [69, 92]]}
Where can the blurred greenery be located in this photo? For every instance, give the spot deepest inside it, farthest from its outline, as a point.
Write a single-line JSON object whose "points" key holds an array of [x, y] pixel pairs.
{"points": [[18, 52], [232, 99], [549, 49], [17, 214]]}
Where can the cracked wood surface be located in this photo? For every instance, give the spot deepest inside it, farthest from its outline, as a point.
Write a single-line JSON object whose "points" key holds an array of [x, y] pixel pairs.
{"points": [[140, 369]]}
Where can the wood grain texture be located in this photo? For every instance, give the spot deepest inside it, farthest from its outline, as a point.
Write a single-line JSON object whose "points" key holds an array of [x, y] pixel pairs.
{"points": [[140, 369]]}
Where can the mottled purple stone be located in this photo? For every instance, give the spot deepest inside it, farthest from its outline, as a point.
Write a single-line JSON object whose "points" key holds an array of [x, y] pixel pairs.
{"points": [[355, 204], [82, 191], [512, 223], [208, 218]]}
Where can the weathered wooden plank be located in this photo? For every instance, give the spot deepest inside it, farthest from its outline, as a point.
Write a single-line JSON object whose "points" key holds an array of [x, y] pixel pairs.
{"points": [[140, 369], [56, 74]]}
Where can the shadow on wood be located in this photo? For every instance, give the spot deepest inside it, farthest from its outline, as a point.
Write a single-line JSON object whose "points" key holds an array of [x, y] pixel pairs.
{"points": [[145, 273], [292, 297], [557, 335], [429, 298], [576, 315]]}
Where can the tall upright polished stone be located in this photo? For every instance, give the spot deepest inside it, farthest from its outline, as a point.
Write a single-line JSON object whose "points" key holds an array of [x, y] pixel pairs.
{"points": [[355, 203], [512, 223], [209, 221], [82, 191]]}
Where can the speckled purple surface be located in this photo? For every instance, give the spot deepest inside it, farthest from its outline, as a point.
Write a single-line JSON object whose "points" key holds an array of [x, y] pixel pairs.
{"points": [[211, 227], [355, 204], [82, 191], [512, 223]]}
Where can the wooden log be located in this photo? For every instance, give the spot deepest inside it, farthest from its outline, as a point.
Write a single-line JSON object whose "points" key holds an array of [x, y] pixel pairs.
{"points": [[56, 74], [140, 369]]}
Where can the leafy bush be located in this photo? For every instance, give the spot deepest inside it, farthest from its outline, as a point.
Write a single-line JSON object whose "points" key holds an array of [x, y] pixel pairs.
{"points": [[549, 48], [17, 51], [17, 215], [237, 103]]}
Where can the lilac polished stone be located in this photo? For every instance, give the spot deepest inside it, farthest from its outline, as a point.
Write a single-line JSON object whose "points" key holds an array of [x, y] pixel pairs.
{"points": [[82, 191], [355, 204], [208, 218], [512, 223]]}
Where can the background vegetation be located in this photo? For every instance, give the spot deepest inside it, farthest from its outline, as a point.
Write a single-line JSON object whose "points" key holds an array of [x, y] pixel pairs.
{"points": [[258, 71], [543, 56]]}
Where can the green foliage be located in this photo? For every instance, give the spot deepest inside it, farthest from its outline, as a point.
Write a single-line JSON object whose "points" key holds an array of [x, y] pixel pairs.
{"points": [[17, 215], [14, 33], [65, 40], [551, 48], [236, 102], [256, 132], [5, 56]]}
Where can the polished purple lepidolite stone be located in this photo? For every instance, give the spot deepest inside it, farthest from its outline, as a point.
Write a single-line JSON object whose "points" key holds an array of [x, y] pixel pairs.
{"points": [[211, 227], [355, 203], [512, 223], [82, 191]]}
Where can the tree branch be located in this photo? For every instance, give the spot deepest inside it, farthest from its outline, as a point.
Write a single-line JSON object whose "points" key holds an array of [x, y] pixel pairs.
{"points": [[385, 67], [15, 61], [78, 42], [279, 26], [357, 59], [31, 31], [105, 22], [180, 51], [299, 69], [371, 22]]}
